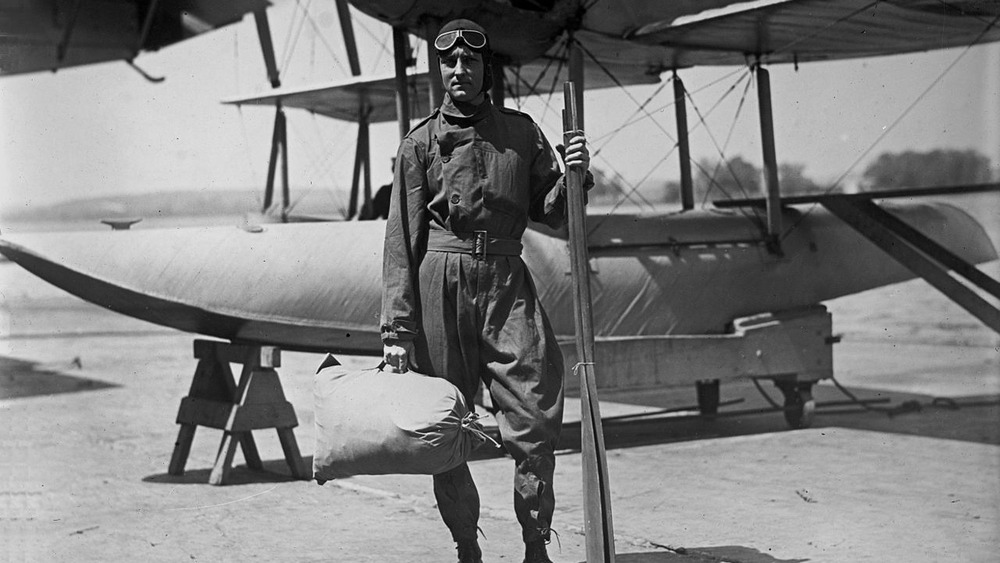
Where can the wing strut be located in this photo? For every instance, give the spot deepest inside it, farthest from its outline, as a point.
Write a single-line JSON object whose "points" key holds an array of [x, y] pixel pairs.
{"points": [[773, 192], [683, 145], [401, 52], [347, 30], [920, 254], [279, 138], [362, 150], [267, 47], [433, 68], [362, 158], [68, 33]]}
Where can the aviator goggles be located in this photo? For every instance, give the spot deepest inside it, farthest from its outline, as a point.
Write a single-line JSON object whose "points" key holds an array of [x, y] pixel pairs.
{"points": [[471, 37]]}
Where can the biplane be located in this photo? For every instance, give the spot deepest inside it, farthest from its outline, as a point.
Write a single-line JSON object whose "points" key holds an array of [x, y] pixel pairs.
{"points": [[731, 292]]}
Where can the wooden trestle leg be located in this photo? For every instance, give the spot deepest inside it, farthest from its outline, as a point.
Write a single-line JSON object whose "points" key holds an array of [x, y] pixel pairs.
{"points": [[217, 401]]}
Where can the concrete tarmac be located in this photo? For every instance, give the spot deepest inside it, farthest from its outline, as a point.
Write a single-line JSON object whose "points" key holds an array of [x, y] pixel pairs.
{"points": [[86, 448], [87, 431]]}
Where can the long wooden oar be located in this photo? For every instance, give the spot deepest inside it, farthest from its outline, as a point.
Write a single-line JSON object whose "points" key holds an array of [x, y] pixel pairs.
{"points": [[596, 488]]}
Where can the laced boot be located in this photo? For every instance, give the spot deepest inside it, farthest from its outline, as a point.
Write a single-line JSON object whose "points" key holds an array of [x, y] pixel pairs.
{"points": [[469, 552], [534, 552]]}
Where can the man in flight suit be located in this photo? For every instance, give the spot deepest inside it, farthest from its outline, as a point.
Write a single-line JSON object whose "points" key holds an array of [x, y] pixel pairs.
{"points": [[458, 301]]}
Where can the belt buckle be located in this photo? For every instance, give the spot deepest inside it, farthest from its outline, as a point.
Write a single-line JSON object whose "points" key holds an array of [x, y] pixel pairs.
{"points": [[479, 244]]}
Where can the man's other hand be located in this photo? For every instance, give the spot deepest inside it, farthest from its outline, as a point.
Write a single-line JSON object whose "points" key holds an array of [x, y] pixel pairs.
{"points": [[397, 356]]}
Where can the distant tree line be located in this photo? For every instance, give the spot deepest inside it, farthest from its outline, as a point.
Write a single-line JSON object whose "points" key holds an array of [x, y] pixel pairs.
{"points": [[161, 204], [737, 178], [912, 169], [713, 180]]}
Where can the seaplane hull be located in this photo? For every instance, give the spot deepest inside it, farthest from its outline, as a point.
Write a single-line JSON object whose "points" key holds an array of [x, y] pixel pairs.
{"points": [[317, 286]]}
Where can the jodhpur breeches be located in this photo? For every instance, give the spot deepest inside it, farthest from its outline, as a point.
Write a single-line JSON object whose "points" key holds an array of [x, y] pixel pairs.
{"points": [[481, 320]]}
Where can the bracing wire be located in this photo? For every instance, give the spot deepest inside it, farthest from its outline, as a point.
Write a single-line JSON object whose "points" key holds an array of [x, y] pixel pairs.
{"points": [[608, 137], [715, 142], [668, 135], [562, 54], [290, 47], [703, 123], [817, 32], [380, 41], [836, 183], [330, 147], [633, 188], [317, 32], [635, 118], [723, 161], [632, 120], [621, 86], [246, 147], [288, 34], [547, 101]]}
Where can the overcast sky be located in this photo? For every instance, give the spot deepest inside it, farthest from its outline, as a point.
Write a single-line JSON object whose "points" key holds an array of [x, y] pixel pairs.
{"points": [[103, 129]]}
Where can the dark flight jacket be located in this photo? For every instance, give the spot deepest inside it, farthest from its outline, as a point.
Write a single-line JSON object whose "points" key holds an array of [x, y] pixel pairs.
{"points": [[490, 171]]}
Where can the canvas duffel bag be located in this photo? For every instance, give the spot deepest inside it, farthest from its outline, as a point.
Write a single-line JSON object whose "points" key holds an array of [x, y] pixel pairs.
{"points": [[373, 422]]}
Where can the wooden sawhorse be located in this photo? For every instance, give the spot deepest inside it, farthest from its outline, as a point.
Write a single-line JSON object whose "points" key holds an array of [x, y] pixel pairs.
{"points": [[216, 401]]}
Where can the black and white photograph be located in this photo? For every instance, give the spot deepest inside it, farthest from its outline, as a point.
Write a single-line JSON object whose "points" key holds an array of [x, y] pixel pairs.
{"points": [[571, 281]]}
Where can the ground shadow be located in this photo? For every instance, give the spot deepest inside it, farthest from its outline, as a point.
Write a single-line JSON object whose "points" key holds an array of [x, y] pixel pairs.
{"points": [[718, 554], [971, 419], [21, 378], [747, 411], [273, 471]]}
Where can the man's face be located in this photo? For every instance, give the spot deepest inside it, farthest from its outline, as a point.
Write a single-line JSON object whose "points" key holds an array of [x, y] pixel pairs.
{"points": [[462, 73]]}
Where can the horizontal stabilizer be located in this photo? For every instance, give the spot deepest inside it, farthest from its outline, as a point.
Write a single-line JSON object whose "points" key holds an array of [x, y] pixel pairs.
{"points": [[877, 194]]}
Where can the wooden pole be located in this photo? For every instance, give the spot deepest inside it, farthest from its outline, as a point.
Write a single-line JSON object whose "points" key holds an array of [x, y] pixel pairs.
{"points": [[600, 537], [683, 145], [576, 77]]}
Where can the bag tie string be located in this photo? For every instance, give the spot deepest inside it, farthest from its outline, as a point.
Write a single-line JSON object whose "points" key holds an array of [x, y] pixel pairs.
{"points": [[470, 423]]}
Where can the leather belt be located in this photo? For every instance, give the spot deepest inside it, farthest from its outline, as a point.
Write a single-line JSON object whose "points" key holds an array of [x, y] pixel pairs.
{"points": [[476, 243]]}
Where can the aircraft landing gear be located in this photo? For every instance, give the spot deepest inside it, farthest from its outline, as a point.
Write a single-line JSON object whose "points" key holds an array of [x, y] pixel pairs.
{"points": [[708, 396], [800, 407]]}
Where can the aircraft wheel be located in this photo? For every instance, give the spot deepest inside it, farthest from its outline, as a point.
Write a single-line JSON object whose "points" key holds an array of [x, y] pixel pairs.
{"points": [[708, 396], [800, 408]]}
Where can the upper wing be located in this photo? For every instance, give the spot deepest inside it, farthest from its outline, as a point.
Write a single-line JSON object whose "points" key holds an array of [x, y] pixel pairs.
{"points": [[634, 41], [776, 31], [808, 30], [54, 34]]}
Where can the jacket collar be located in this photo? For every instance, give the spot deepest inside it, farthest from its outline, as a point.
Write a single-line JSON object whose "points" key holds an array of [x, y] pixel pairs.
{"points": [[466, 112]]}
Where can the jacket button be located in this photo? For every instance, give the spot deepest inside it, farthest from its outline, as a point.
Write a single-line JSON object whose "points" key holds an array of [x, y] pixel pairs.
{"points": [[455, 198], [445, 158]]}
